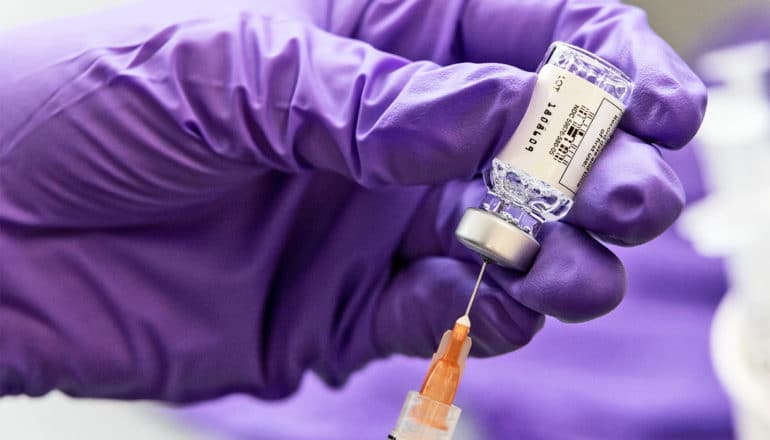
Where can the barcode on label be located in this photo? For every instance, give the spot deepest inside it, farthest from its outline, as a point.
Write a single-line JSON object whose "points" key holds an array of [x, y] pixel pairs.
{"points": [[584, 137], [572, 134]]}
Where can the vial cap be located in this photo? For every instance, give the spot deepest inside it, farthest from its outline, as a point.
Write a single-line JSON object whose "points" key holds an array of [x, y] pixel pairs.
{"points": [[496, 239]]}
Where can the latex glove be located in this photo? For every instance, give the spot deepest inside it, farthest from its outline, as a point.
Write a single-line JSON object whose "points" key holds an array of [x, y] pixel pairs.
{"points": [[222, 199]]}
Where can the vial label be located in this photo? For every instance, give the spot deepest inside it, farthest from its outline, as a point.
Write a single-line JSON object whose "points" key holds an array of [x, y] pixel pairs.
{"points": [[566, 126]]}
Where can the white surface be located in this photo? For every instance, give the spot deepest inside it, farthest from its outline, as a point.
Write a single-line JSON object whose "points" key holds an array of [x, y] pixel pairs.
{"points": [[58, 417], [18, 12], [747, 380]]}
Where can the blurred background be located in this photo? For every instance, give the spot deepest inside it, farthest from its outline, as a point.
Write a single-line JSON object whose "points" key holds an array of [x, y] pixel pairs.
{"points": [[683, 22], [680, 22], [686, 356]]}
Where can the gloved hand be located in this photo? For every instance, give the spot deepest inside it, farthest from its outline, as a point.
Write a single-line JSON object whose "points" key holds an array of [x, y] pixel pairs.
{"points": [[218, 200]]}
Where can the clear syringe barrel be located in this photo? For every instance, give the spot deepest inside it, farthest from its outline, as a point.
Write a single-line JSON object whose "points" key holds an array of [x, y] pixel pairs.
{"points": [[576, 105], [430, 414], [423, 418]]}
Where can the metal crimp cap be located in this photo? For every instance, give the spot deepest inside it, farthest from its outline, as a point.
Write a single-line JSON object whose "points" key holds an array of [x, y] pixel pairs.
{"points": [[496, 239]]}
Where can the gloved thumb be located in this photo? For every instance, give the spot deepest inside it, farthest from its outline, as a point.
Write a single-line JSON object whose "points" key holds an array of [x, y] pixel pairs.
{"points": [[418, 305], [574, 279]]}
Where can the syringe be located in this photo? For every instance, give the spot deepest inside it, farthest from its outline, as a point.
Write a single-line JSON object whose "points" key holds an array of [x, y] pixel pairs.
{"points": [[430, 414], [577, 103]]}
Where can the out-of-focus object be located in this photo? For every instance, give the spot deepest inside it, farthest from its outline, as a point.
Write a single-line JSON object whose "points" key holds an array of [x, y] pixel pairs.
{"points": [[14, 14], [676, 22], [576, 105], [733, 221], [56, 416]]}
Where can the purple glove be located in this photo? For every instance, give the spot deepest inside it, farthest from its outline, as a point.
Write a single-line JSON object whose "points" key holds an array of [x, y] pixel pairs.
{"points": [[219, 200], [642, 373]]}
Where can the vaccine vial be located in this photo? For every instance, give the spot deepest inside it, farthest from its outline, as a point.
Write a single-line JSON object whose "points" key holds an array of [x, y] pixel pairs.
{"points": [[575, 107]]}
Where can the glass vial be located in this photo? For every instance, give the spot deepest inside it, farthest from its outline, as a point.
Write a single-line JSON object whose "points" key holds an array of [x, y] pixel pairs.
{"points": [[575, 107]]}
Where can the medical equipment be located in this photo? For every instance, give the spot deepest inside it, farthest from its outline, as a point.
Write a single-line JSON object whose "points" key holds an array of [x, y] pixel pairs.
{"points": [[576, 105], [430, 414]]}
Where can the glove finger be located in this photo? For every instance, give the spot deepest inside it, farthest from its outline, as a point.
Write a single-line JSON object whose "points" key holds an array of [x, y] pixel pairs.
{"points": [[669, 100], [425, 298], [631, 194], [574, 278], [212, 97]]}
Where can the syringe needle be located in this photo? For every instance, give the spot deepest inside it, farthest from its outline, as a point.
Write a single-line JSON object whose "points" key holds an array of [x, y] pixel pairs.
{"points": [[446, 369], [476, 287]]}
